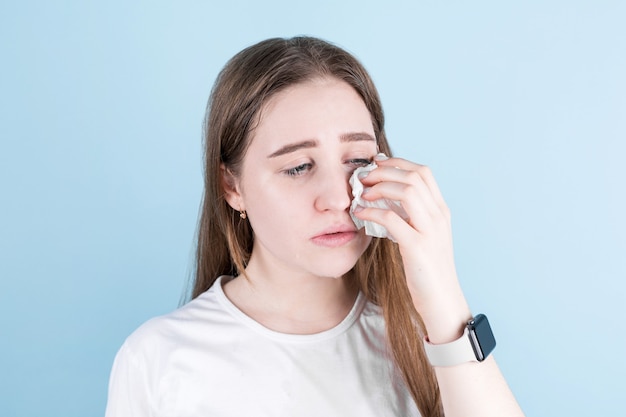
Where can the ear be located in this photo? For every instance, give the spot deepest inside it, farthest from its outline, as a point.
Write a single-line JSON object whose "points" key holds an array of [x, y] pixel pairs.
{"points": [[232, 192]]}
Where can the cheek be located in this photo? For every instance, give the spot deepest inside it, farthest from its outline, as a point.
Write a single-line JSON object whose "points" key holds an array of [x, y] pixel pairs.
{"points": [[280, 211], [270, 203], [276, 194]]}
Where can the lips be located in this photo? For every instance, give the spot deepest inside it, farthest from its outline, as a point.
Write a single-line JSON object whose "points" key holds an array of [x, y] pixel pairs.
{"points": [[335, 236]]}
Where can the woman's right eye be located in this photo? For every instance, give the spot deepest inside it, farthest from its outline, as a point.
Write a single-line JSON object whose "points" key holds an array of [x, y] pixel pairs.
{"points": [[298, 170]]}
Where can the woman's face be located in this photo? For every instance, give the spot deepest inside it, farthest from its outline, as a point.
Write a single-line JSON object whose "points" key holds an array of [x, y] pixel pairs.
{"points": [[294, 179]]}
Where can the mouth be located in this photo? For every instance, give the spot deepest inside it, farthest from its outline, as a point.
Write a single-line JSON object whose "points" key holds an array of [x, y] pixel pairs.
{"points": [[336, 236]]}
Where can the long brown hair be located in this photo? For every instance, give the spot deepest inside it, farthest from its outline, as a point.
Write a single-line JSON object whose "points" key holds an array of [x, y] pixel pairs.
{"points": [[247, 81]]}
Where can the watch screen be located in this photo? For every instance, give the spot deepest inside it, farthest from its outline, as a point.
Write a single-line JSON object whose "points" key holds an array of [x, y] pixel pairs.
{"points": [[482, 335]]}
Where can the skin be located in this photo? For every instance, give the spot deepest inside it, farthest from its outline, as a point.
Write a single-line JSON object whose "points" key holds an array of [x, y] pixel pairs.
{"points": [[297, 201]]}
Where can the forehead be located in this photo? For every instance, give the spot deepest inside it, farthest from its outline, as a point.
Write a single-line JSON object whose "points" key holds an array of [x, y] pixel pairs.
{"points": [[316, 109]]}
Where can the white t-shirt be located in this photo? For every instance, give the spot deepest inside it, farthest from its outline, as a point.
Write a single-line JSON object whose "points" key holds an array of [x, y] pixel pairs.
{"points": [[209, 359]]}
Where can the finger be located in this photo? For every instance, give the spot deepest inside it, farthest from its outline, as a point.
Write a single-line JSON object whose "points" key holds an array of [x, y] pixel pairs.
{"points": [[408, 187], [415, 199], [424, 172], [395, 225]]}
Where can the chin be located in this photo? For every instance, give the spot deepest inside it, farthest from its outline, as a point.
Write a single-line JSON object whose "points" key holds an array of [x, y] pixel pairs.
{"points": [[336, 270]]}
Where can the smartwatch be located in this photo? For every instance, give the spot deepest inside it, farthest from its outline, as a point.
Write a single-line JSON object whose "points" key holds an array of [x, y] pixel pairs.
{"points": [[475, 345]]}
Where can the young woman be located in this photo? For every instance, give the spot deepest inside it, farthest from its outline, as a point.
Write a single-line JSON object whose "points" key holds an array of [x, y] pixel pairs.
{"points": [[295, 311]]}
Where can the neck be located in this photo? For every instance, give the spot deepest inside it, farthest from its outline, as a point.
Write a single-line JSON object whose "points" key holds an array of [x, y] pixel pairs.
{"points": [[292, 303]]}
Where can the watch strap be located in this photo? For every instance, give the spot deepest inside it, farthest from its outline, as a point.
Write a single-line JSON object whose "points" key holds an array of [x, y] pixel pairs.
{"points": [[450, 354]]}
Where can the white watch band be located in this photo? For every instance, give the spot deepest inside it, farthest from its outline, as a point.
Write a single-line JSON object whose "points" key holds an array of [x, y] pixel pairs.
{"points": [[451, 354]]}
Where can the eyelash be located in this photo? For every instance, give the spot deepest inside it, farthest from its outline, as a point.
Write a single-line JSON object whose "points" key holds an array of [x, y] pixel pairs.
{"points": [[301, 169], [360, 162]]}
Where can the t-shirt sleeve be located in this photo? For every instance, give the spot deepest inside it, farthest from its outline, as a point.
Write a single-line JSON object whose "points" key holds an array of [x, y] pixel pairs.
{"points": [[129, 393]]}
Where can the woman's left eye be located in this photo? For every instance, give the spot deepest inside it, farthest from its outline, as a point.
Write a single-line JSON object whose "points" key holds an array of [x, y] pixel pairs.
{"points": [[359, 162]]}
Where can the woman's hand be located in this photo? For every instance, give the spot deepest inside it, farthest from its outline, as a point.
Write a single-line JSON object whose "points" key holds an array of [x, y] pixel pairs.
{"points": [[425, 242]]}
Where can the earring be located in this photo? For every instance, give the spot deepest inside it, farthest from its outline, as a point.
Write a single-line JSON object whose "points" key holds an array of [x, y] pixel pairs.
{"points": [[242, 214]]}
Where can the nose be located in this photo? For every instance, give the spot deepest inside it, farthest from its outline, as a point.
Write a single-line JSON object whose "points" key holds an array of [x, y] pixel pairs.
{"points": [[334, 191]]}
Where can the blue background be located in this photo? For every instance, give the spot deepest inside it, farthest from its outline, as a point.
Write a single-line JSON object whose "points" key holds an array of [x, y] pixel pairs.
{"points": [[520, 109]]}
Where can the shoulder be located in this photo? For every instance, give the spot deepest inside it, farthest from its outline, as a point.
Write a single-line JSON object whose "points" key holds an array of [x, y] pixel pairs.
{"points": [[370, 326], [180, 326], [372, 315]]}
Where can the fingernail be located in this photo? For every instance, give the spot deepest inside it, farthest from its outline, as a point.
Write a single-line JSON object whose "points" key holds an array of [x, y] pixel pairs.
{"points": [[381, 157], [363, 174]]}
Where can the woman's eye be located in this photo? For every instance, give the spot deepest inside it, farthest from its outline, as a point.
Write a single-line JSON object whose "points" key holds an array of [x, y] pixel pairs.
{"points": [[299, 170], [359, 162]]}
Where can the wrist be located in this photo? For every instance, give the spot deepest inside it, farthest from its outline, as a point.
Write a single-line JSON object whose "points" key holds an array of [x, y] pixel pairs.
{"points": [[444, 317], [474, 345], [447, 326]]}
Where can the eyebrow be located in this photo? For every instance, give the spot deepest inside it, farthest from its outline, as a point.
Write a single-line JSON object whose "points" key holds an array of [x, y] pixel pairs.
{"points": [[356, 137], [292, 147], [346, 137]]}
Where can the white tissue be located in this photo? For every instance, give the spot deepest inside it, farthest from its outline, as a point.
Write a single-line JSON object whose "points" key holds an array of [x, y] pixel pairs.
{"points": [[371, 228]]}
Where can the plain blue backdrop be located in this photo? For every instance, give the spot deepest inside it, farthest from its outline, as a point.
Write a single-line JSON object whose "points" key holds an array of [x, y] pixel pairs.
{"points": [[519, 108]]}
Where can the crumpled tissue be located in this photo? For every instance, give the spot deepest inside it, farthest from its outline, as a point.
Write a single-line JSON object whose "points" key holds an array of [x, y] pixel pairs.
{"points": [[371, 228]]}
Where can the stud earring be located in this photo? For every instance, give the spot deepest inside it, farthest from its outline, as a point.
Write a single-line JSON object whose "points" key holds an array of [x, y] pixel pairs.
{"points": [[242, 214]]}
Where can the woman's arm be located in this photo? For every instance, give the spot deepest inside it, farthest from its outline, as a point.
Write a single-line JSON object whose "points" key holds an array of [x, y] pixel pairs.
{"points": [[425, 242]]}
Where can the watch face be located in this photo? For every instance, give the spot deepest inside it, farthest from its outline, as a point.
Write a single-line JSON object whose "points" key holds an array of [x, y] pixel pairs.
{"points": [[481, 337]]}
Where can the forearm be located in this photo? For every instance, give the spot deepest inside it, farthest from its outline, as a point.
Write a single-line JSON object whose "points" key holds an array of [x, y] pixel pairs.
{"points": [[476, 389]]}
